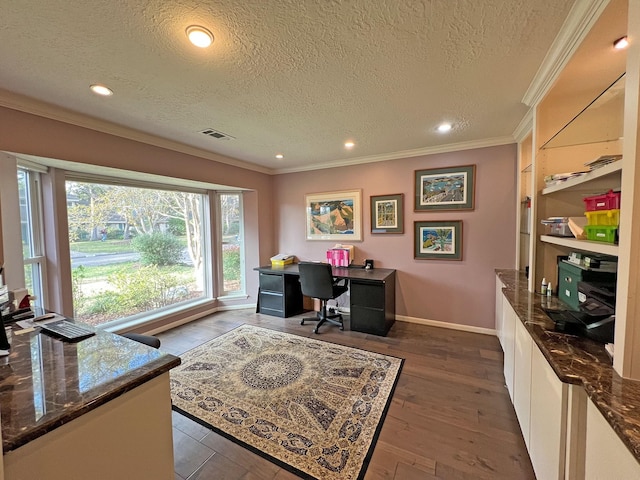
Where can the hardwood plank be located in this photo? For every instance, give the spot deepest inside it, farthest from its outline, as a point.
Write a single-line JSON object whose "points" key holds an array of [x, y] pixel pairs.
{"points": [[450, 416]]}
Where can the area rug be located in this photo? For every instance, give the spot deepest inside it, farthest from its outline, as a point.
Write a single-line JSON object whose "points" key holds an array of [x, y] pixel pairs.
{"points": [[312, 407]]}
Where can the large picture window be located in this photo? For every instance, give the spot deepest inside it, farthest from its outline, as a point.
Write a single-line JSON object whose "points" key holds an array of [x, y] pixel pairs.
{"points": [[134, 251]]}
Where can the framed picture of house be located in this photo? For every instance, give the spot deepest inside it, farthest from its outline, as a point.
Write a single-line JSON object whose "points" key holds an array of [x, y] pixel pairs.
{"points": [[334, 216], [438, 240], [387, 213], [445, 188]]}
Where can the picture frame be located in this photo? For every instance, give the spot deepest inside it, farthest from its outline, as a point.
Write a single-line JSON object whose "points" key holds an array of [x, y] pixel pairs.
{"points": [[451, 188], [438, 240], [334, 216], [387, 213]]}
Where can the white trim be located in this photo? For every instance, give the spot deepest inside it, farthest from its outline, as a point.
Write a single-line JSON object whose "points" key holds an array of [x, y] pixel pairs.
{"points": [[450, 326], [450, 147], [42, 109], [581, 18], [525, 127], [197, 316]]}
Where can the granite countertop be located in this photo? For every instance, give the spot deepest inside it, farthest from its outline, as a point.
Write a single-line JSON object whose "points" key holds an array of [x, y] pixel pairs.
{"points": [[578, 361], [45, 383]]}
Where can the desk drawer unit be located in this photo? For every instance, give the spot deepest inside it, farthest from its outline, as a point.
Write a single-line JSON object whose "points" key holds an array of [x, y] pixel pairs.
{"points": [[373, 306], [280, 295]]}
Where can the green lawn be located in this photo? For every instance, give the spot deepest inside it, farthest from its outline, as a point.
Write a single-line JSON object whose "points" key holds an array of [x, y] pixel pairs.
{"points": [[102, 272], [96, 246]]}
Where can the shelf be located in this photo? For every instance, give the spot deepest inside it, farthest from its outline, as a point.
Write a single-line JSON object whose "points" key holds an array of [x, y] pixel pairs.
{"points": [[583, 245], [604, 175]]}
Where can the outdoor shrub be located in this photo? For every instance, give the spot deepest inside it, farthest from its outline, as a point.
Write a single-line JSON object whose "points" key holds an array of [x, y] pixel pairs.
{"points": [[105, 302], [158, 248], [144, 288], [231, 262], [77, 276]]}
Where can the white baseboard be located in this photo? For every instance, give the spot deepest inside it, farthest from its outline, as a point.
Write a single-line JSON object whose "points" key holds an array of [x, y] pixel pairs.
{"points": [[451, 326], [400, 318]]}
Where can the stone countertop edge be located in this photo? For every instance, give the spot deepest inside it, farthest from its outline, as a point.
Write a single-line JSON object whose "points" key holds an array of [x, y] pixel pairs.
{"points": [[578, 361], [117, 388]]}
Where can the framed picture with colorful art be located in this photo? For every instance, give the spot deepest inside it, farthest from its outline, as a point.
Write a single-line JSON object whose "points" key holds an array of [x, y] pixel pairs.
{"points": [[445, 188], [438, 240], [387, 213], [334, 216]]}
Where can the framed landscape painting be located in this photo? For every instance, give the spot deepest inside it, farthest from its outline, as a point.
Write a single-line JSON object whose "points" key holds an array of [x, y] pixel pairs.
{"points": [[334, 216], [387, 213], [438, 240], [445, 188]]}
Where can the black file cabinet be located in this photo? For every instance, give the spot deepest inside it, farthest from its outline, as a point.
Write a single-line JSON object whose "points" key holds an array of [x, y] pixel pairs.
{"points": [[372, 294], [280, 295], [373, 305]]}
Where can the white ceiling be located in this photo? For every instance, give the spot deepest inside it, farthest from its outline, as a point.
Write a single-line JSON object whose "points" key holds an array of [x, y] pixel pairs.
{"points": [[297, 77]]}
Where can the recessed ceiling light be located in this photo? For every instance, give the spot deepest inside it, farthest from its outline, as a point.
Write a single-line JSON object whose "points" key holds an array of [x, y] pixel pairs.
{"points": [[444, 127], [349, 145], [199, 36], [279, 156], [622, 42], [101, 90]]}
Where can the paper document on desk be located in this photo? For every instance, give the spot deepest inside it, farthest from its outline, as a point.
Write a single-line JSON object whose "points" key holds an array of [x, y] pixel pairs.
{"points": [[32, 322]]}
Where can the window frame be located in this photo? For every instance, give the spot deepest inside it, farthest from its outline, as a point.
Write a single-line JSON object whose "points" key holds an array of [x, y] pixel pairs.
{"points": [[37, 259], [208, 260], [221, 292]]}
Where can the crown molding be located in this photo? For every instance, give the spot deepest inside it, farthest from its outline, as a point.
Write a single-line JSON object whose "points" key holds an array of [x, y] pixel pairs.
{"points": [[43, 109], [524, 127], [581, 18], [52, 112], [418, 152]]}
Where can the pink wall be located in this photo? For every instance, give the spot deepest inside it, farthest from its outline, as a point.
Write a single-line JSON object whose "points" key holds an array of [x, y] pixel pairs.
{"points": [[30, 134], [447, 291], [459, 292]]}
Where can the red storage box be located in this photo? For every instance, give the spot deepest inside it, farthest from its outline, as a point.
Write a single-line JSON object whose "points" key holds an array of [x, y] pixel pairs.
{"points": [[606, 201]]}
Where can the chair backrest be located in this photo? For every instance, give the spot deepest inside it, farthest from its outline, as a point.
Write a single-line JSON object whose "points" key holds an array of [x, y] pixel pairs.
{"points": [[316, 280]]}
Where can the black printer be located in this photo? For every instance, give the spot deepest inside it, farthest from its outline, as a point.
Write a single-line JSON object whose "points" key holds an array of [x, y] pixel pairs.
{"points": [[595, 317]]}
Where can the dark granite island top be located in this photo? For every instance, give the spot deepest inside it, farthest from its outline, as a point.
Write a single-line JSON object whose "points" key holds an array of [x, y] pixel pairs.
{"points": [[45, 383], [578, 361]]}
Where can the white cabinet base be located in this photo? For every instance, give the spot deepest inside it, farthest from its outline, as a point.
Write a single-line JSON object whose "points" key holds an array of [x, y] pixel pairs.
{"points": [[128, 437], [606, 457]]}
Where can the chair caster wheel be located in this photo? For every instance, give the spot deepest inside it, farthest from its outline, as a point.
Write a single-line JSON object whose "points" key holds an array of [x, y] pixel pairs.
{"points": [[301, 322], [315, 330], [342, 328]]}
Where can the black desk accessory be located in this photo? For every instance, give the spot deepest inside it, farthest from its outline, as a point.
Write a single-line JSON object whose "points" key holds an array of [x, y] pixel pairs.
{"points": [[67, 331]]}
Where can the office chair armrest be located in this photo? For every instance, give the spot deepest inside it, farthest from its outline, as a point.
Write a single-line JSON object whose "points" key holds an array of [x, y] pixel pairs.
{"points": [[336, 282]]}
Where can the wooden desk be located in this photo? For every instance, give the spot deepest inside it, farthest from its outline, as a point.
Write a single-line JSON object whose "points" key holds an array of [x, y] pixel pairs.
{"points": [[372, 295]]}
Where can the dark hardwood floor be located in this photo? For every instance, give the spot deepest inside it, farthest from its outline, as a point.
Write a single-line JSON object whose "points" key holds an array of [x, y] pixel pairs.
{"points": [[450, 417]]}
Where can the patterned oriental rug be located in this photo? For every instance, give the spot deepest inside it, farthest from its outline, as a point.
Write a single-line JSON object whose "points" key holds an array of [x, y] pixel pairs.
{"points": [[312, 407]]}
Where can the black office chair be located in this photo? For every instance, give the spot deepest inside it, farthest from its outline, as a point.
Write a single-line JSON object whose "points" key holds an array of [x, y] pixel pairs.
{"points": [[146, 339], [317, 281]]}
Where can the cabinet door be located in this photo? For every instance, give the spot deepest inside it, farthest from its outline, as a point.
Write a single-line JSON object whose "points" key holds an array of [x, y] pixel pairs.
{"points": [[606, 456], [522, 378], [499, 297], [509, 319], [547, 431], [368, 310]]}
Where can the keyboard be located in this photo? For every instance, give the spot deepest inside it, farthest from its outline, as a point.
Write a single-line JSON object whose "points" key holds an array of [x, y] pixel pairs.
{"points": [[67, 331]]}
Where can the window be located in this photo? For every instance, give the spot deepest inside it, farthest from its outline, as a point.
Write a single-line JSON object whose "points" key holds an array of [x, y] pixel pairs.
{"points": [[135, 251], [232, 243], [29, 194]]}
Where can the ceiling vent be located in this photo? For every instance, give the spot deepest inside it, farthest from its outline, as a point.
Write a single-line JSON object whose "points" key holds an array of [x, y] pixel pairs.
{"points": [[216, 134]]}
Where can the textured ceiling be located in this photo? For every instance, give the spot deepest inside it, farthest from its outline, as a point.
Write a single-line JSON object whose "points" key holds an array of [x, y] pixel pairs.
{"points": [[297, 77]]}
